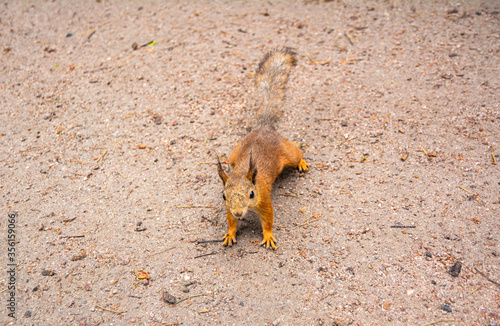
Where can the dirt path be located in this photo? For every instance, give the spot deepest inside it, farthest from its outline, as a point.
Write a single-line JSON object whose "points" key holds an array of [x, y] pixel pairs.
{"points": [[106, 150]]}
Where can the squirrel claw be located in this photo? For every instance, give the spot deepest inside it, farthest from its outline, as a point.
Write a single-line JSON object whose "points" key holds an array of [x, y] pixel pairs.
{"points": [[269, 241], [229, 240], [303, 166]]}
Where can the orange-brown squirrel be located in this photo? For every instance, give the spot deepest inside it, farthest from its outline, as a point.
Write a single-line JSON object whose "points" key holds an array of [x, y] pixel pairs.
{"points": [[259, 158]]}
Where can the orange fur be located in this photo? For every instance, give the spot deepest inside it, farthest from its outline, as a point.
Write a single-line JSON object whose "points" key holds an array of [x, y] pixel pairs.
{"points": [[259, 158]]}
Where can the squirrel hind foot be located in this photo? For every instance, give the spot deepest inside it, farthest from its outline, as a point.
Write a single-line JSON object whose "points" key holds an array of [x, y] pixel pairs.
{"points": [[303, 166]]}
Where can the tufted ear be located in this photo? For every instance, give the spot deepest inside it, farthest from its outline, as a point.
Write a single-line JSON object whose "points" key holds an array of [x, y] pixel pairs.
{"points": [[222, 174], [252, 170]]}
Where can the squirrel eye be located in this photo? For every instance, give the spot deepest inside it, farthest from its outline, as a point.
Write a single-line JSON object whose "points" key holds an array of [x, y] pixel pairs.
{"points": [[224, 196], [251, 194]]}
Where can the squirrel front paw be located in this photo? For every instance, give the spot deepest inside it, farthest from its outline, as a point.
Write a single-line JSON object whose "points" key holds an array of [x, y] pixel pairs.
{"points": [[269, 241], [303, 166], [229, 239]]}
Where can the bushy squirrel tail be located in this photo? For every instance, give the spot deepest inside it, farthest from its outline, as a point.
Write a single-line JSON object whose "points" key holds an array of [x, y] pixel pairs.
{"points": [[271, 78]]}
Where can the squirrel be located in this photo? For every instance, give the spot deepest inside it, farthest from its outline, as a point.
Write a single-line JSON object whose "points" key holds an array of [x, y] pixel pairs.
{"points": [[260, 156]]}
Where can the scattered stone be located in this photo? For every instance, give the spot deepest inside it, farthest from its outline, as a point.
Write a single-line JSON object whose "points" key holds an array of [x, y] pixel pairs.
{"points": [[27, 314], [138, 227], [82, 255], [446, 308], [48, 272], [456, 269], [168, 298]]}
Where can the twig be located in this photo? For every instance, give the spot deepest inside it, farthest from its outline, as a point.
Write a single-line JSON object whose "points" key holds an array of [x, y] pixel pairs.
{"points": [[115, 141], [470, 192], [349, 38], [150, 43], [208, 220], [134, 296], [90, 35], [348, 139], [124, 177], [89, 31], [403, 226], [159, 252], [476, 289], [288, 195], [113, 311], [314, 62], [493, 156], [73, 236], [199, 163], [101, 157], [212, 253], [305, 223], [193, 296], [486, 277], [196, 206], [423, 150], [474, 137], [60, 297], [441, 321], [4, 290], [207, 241]]}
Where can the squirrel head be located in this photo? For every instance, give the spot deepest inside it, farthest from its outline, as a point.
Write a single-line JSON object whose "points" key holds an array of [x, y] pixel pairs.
{"points": [[240, 193]]}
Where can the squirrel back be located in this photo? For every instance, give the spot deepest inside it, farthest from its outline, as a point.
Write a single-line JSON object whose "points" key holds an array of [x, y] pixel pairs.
{"points": [[271, 77]]}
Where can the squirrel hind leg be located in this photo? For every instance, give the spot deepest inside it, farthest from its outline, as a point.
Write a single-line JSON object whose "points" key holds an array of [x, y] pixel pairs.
{"points": [[294, 157]]}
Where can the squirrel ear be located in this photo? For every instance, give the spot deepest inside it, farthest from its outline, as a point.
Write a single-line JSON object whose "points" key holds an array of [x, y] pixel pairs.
{"points": [[222, 174], [252, 171]]}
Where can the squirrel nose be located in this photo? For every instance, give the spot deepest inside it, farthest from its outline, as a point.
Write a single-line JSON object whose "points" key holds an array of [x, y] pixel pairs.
{"points": [[238, 214]]}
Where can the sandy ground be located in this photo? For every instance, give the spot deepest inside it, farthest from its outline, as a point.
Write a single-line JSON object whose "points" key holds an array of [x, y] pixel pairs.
{"points": [[106, 156]]}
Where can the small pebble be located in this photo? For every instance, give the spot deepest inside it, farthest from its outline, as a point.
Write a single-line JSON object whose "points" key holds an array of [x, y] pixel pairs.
{"points": [[168, 298], [456, 269], [48, 272], [446, 308], [27, 314]]}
